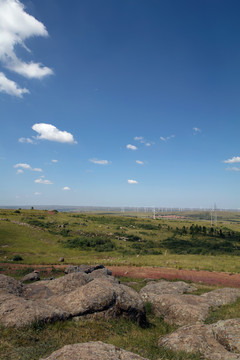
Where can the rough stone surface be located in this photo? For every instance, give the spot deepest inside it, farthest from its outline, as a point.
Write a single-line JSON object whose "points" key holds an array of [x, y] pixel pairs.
{"points": [[60, 286], [85, 268], [93, 351], [181, 309], [92, 297], [223, 296], [168, 300], [77, 294], [16, 311], [218, 341], [153, 289], [10, 285], [33, 276]]}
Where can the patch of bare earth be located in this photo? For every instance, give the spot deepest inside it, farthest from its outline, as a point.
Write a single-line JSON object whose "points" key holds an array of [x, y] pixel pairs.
{"points": [[206, 277]]}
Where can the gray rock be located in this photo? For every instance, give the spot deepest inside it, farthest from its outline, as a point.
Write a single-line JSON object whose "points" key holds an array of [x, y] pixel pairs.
{"points": [[221, 297], [10, 285], [61, 259], [153, 289], [218, 341], [33, 276], [181, 309], [85, 268], [16, 311], [93, 351], [60, 286]]}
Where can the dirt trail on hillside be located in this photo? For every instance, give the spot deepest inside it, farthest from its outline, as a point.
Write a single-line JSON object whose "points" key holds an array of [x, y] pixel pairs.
{"points": [[206, 277]]}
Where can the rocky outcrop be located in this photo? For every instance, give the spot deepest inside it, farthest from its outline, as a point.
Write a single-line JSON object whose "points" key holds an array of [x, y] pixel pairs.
{"points": [[10, 285], [93, 351], [85, 268], [16, 311], [33, 276], [153, 289], [219, 341], [168, 300], [74, 295]]}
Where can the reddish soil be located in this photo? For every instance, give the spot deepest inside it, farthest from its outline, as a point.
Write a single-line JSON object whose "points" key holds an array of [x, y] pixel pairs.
{"points": [[206, 277]]}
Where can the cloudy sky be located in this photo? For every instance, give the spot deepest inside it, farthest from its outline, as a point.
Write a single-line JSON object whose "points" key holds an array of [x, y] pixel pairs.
{"points": [[126, 103]]}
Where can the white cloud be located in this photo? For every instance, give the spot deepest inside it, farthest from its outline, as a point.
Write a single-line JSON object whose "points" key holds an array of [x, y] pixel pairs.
{"points": [[234, 159], [43, 181], [196, 130], [23, 166], [37, 169], [233, 169], [132, 182], [66, 188], [15, 27], [37, 193], [20, 171], [167, 138], [99, 162], [138, 138], [26, 167], [51, 133], [26, 140], [148, 144], [131, 147], [10, 87], [139, 162], [54, 161]]}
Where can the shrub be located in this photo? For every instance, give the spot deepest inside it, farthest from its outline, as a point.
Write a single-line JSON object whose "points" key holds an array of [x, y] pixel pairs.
{"points": [[17, 258]]}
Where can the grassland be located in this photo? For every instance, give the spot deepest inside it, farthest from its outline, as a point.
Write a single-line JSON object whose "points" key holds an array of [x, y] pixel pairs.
{"points": [[42, 237]]}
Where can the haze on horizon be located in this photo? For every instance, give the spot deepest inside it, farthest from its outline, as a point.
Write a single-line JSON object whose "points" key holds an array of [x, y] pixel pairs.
{"points": [[112, 103]]}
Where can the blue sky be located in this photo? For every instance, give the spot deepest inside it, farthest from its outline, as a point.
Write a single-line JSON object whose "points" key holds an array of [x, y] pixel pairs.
{"points": [[120, 103]]}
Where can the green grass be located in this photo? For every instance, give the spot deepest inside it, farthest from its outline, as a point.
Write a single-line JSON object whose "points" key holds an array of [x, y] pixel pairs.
{"points": [[37, 341], [46, 237], [224, 312]]}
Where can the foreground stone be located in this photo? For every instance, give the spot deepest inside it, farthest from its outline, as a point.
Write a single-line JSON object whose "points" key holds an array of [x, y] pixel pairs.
{"points": [[75, 295], [219, 341], [93, 351], [168, 300]]}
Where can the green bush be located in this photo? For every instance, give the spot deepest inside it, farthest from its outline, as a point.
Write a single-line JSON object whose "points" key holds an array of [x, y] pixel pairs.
{"points": [[17, 258]]}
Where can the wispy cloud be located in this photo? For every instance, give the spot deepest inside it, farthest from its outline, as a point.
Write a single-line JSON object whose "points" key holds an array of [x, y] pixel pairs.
{"points": [[43, 181], [143, 141], [138, 138], [233, 169], [51, 133], [15, 27], [131, 147], [55, 161], [167, 137], [25, 166], [233, 160], [132, 182], [26, 140], [139, 162], [37, 193], [66, 188], [99, 162], [20, 171], [196, 130], [10, 87]]}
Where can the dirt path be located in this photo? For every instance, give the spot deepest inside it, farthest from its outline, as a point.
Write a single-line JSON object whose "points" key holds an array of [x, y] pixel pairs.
{"points": [[206, 277]]}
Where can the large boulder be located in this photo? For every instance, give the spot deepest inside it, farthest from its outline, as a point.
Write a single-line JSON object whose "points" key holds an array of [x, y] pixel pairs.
{"points": [[169, 300], [10, 285], [93, 351], [85, 268], [218, 341], [153, 289], [16, 311], [33, 276], [221, 297], [181, 310]]}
